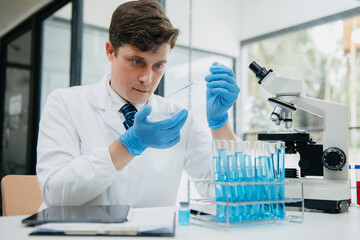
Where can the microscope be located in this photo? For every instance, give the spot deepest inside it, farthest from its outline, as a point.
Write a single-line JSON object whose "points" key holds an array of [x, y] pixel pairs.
{"points": [[323, 167]]}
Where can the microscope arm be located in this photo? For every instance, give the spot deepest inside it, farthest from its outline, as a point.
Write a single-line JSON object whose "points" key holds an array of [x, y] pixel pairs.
{"points": [[335, 122]]}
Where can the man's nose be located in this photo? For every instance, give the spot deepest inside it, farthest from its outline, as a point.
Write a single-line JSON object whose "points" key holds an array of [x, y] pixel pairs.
{"points": [[146, 76]]}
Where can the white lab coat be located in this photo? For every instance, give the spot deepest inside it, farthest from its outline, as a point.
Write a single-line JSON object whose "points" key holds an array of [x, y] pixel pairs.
{"points": [[74, 167]]}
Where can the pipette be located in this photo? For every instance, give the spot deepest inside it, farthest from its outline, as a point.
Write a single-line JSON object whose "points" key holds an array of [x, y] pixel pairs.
{"points": [[192, 82]]}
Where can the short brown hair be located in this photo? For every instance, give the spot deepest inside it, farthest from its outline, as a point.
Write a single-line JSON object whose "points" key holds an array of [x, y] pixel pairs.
{"points": [[142, 24]]}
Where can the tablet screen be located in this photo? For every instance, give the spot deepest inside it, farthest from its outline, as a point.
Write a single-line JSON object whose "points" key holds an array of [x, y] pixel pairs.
{"points": [[84, 214]]}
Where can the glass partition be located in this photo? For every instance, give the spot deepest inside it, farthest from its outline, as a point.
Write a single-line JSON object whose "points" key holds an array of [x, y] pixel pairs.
{"points": [[56, 44], [16, 108]]}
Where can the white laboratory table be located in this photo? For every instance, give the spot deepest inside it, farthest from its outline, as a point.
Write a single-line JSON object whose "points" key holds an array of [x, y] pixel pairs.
{"points": [[344, 226]]}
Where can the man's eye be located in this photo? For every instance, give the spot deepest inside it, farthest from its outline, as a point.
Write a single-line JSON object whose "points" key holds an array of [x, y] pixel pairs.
{"points": [[159, 66], [136, 62]]}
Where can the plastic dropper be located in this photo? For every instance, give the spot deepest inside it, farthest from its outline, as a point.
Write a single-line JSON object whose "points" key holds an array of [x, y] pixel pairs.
{"points": [[192, 82]]}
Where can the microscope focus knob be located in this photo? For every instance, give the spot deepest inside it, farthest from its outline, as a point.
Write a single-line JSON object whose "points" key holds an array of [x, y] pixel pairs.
{"points": [[334, 158]]}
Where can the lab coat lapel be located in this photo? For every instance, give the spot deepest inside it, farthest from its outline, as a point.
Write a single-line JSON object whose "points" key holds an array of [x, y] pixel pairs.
{"points": [[100, 99], [112, 118]]}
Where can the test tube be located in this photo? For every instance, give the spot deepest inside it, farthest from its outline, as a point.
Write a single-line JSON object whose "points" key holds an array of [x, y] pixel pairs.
{"points": [[224, 170], [224, 163], [273, 176], [281, 178], [262, 166], [240, 162], [257, 165], [249, 173], [357, 171], [258, 170], [268, 176], [352, 173], [233, 177], [219, 193], [184, 214], [249, 177], [258, 189], [216, 161], [281, 161], [241, 171]]}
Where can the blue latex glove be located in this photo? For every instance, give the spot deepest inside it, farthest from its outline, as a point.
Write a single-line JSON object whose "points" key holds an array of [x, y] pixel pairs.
{"points": [[144, 133], [222, 91]]}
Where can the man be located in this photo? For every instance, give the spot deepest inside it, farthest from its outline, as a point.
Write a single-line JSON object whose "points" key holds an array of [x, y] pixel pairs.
{"points": [[91, 149]]}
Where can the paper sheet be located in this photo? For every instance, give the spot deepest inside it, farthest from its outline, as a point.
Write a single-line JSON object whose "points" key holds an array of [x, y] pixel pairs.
{"points": [[159, 220]]}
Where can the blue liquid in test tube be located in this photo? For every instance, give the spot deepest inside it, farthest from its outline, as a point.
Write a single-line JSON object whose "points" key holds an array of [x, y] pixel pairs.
{"points": [[268, 176], [233, 177], [269, 189], [249, 177], [184, 217], [275, 189], [281, 175], [258, 177], [184, 214], [224, 167], [265, 208], [220, 197], [241, 170]]}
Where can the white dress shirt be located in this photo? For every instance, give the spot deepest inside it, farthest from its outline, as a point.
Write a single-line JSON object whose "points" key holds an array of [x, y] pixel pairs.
{"points": [[119, 102]]}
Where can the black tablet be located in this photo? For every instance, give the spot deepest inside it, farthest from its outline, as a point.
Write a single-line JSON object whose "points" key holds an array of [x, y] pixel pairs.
{"points": [[80, 214]]}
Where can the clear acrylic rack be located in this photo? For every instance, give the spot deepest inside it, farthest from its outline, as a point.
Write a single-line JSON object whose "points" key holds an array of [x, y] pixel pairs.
{"points": [[210, 220]]}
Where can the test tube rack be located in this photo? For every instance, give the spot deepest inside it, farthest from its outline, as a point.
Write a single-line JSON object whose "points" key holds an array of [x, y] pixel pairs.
{"points": [[211, 220]]}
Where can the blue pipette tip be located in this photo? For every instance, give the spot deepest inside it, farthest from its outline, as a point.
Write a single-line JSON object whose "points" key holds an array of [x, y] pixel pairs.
{"points": [[184, 87]]}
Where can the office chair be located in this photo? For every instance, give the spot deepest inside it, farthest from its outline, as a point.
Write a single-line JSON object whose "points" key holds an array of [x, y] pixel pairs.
{"points": [[21, 195]]}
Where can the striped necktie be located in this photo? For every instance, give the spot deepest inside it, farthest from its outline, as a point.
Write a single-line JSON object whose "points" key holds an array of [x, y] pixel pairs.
{"points": [[129, 112]]}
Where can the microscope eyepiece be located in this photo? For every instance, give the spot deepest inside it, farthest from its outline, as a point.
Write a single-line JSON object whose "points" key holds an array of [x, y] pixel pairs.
{"points": [[259, 71]]}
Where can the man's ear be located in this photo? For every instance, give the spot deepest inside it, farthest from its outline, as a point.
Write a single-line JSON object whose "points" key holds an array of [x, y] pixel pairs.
{"points": [[110, 52]]}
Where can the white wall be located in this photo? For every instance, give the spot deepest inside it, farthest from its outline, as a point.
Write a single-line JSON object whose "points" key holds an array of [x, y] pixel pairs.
{"points": [[13, 12], [219, 25], [98, 13], [261, 16], [215, 24]]}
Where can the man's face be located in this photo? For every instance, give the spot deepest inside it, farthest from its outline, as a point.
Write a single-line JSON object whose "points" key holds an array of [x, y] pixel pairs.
{"points": [[135, 75]]}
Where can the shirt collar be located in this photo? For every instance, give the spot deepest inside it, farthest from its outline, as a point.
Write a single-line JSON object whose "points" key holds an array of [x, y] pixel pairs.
{"points": [[118, 101]]}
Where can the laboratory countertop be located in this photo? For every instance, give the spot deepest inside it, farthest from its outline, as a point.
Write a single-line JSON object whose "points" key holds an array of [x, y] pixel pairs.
{"points": [[344, 226]]}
